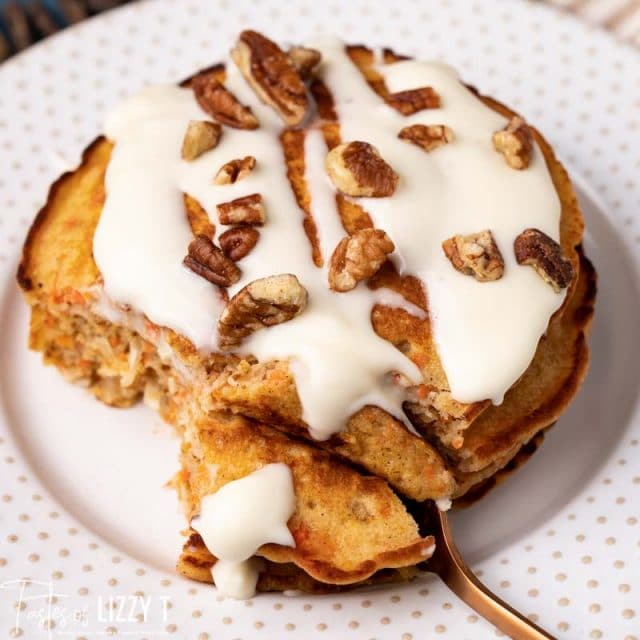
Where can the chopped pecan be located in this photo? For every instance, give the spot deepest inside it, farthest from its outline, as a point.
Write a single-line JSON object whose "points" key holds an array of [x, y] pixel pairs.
{"points": [[514, 143], [262, 303], [239, 242], [544, 254], [210, 262], [414, 100], [235, 170], [200, 136], [305, 60], [475, 255], [246, 210], [357, 169], [272, 75], [220, 103], [197, 217], [358, 257], [428, 137]]}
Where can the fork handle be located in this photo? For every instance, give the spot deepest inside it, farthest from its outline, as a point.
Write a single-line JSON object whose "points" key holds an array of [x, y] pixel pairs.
{"points": [[453, 571], [493, 608]]}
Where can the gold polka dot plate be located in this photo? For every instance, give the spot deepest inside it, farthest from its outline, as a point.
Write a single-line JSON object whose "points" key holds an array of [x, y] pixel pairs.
{"points": [[560, 540]]}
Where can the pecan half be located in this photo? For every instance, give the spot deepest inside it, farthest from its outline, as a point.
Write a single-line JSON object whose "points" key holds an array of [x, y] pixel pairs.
{"points": [[220, 103], [358, 257], [210, 262], [272, 75], [200, 136], [475, 255], [357, 169], [239, 242], [427, 137], [246, 210], [262, 303], [544, 254], [514, 143], [305, 60], [235, 170], [414, 100]]}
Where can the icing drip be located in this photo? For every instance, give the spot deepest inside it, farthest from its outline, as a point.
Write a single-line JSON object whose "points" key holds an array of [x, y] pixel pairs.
{"points": [[234, 524]]}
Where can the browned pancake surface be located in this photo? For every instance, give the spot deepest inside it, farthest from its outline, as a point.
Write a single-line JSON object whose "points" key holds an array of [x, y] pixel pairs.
{"points": [[346, 525]]}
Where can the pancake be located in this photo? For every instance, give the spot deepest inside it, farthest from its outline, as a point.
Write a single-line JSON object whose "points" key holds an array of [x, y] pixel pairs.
{"points": [[347, 526], [267, 391], [196, 563], [241, 412], [62, 282], [559, 366]]}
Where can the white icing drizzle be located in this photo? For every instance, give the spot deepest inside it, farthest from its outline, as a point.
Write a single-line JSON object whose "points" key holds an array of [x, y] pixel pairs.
{"points": [[486, 334], [237, 579], [143, 233], [339, 362], [235, 522]]}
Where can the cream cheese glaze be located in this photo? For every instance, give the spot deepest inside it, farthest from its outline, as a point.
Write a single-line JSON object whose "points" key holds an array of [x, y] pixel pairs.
{"points": [[234, 524], [142, 233], [486, 333]]}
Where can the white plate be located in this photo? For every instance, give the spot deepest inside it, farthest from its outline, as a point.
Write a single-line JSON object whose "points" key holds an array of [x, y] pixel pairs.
{"points": [[82, 509]]}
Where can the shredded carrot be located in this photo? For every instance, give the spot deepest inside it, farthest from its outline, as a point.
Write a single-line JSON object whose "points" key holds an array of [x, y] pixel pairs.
{"points": [[151, 329]]}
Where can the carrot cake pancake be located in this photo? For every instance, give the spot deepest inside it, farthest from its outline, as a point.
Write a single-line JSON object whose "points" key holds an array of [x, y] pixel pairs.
{"points": [[351, 282]]}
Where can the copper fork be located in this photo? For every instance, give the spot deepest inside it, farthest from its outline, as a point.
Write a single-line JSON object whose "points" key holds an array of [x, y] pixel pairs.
{"points": [[449, 565]]}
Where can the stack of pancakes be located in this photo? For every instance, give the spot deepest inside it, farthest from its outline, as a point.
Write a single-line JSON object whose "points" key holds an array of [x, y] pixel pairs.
{"points": [[357, 493]]}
